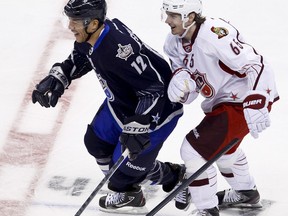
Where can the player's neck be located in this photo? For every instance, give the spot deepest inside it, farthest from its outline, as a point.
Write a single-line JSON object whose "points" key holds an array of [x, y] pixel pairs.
{"points": [[188, 36]]}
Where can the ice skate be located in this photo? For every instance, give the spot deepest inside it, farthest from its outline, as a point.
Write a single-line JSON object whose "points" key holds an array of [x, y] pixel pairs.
{"points": [[132, 202], [206, 212], [240, 198], [183, 199]]}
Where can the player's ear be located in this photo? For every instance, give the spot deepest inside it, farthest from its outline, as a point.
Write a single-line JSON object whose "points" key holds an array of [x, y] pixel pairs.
{"points": [[191, 17], [93, 25]]}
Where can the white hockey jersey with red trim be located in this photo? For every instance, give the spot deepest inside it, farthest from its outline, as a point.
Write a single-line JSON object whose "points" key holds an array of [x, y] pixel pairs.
{"points": [[223, 65]]}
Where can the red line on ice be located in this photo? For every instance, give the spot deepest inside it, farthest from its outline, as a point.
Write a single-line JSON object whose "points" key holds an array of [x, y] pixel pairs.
{"points": [[27, 148]]}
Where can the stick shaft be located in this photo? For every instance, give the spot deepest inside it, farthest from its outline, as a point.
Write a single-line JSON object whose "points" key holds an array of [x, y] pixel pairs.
{"points": [[104, 180]]}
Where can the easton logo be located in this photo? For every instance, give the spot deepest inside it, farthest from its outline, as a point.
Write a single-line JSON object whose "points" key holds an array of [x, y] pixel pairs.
{"points": [[135, 129]]}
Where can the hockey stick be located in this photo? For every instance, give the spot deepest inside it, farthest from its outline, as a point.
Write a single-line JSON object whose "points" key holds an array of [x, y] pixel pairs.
{"points": [[188, 181], [104, 180]]}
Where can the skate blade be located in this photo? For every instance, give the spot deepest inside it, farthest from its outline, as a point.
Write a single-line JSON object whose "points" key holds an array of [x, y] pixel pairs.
{"points": [[127, 210], [247, 205], [186, 208], [242, 205]]}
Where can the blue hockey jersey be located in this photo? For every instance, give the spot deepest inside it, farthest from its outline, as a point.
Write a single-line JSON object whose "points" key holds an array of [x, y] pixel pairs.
{"points": [[133, 76]]}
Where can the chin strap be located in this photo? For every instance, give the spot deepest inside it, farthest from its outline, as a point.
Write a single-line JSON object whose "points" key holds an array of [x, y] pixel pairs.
{"points": [[90, 34], [186, 29]]}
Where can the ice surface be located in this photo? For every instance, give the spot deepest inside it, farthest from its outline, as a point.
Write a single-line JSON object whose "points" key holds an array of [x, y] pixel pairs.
{"points": [[44, 167]]}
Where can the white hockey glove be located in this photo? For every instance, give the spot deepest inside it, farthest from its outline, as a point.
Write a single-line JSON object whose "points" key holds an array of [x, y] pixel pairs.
{"points": [[256, 112], [182, 88]]}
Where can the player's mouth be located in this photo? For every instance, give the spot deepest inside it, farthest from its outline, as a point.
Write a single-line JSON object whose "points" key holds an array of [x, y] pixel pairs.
{"points": [[75, 33], [172, 28]]}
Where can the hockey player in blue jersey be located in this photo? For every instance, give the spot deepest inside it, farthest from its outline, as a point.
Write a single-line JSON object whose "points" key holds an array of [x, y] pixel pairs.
{"points": [[136, 113]]}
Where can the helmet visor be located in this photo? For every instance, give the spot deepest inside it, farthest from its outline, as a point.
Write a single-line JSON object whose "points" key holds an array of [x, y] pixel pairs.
{"points": [[164, 15], [75, 23]]}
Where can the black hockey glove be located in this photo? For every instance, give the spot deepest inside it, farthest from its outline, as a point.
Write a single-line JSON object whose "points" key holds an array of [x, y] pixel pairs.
{"points": [[135, 135], [50, 89]]}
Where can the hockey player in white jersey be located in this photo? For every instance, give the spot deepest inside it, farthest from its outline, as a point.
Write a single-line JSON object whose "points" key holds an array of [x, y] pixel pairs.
{"points": [[210, 57]]}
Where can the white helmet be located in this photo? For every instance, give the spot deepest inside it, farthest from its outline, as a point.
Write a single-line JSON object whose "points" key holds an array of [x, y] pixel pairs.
{"points": [[183, 7]]}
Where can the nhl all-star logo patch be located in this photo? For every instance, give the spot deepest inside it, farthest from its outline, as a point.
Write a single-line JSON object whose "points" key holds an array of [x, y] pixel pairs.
{"points": [[124, 51], [220, 31]]}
